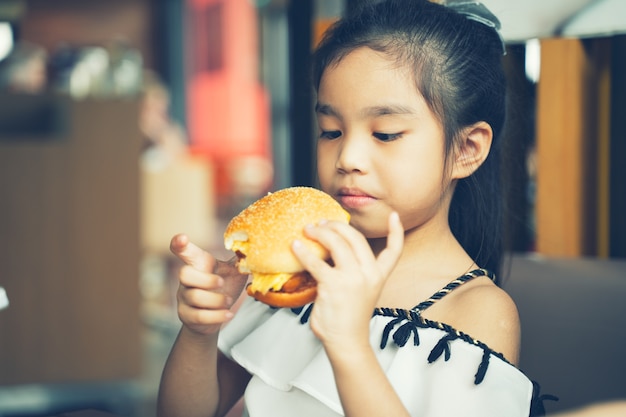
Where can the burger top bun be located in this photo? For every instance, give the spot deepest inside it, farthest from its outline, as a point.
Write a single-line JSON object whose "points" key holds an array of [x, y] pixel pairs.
{"points": [[263, 232]]}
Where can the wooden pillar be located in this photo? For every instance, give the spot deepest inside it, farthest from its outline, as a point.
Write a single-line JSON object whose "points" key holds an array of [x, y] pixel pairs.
{"points": [[571, 108]]}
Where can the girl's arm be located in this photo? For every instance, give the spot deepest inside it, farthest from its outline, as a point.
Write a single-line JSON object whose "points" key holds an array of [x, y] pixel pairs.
{"points": [[198, 380], [363, 387], [347, 294]]}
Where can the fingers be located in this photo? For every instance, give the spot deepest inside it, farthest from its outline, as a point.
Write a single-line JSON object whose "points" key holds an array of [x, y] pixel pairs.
{"points": [[348, 247], [203, 320], [345, 243], [202, 304], [191, 277], [191, 254], [204, 298], [201, 310], [311, 262]]}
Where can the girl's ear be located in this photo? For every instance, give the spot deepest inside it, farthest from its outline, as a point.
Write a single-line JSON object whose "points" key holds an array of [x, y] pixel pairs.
{"points": [[472, 150]]}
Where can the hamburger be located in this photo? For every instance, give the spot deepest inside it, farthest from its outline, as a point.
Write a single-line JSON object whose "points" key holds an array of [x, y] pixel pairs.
{"points": [[261, 237]]}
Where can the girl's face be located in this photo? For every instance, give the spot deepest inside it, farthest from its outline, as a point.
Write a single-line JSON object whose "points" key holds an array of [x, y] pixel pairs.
{"points": [[380, 147]]}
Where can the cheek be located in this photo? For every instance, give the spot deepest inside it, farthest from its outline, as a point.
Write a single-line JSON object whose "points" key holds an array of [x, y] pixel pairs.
{"points": [[411, 164], [325, 163], [414, 178]]}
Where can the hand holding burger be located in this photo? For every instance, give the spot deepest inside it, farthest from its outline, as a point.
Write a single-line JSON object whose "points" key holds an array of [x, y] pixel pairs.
{"points": [[261, 237]]}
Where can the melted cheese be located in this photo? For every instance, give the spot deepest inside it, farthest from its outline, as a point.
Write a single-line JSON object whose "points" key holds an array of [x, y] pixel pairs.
{"points": [[261, 282], [265, 282]]}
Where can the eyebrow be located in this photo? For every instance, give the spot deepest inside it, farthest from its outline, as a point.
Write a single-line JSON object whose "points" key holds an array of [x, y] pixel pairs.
{"points": [[374, 111]]}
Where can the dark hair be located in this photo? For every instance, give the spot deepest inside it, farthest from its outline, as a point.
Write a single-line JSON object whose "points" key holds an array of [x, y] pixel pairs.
{"points": [[458, 70]]}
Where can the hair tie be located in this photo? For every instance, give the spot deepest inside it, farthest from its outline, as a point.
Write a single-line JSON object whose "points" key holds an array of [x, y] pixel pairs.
{"points": [[478, 12]]}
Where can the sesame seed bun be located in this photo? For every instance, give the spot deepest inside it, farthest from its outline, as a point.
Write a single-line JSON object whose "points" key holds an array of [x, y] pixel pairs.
{"points": [[262, 234]]}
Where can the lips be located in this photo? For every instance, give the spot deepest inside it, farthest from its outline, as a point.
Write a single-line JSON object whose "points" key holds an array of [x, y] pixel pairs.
{"points": [[352, 198]]}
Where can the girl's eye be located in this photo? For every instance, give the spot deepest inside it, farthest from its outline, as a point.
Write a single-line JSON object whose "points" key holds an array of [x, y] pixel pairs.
{"points": [[330, 134], [387, 137]]}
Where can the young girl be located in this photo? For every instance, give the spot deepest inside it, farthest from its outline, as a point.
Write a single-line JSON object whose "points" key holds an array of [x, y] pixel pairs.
{"points": [[410, 104]]}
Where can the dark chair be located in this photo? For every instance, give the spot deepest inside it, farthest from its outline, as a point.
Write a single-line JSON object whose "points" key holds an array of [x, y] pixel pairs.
{"points": [[573, 314]]}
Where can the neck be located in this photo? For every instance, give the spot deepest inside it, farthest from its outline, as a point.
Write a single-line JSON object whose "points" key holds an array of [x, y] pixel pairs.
{"points": [[429, 250], [427, 263]]}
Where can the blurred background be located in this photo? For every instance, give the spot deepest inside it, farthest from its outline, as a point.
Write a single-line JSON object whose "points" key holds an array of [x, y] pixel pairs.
{"points": [[124, 122]]}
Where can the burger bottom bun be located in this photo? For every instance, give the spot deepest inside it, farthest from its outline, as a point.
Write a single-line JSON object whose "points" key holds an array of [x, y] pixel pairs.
{"points": [[300, 290]]}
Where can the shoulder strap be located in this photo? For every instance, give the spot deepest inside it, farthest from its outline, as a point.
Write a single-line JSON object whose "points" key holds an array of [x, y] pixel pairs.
{"points": [[451, 286]]}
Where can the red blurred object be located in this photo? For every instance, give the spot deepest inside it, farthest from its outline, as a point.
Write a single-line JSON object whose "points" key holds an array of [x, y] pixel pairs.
{"points": [[228, 108]]}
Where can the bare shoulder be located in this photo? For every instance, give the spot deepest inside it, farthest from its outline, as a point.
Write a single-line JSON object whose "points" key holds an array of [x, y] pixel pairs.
{"points": [[488, 314]]}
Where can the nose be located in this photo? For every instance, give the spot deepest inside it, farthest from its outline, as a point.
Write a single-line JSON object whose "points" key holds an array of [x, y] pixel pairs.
{"points": [[352, 155]]}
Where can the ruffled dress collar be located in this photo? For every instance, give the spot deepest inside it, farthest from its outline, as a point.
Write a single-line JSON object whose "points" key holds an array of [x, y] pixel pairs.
{"points": [[435, 370]]}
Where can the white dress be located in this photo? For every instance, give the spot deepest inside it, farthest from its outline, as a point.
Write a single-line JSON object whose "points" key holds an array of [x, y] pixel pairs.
{"points": [[435, 370]]}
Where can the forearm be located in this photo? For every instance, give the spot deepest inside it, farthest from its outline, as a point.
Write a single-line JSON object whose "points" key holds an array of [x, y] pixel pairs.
{"points": [[189, 384], [363, 387]]}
